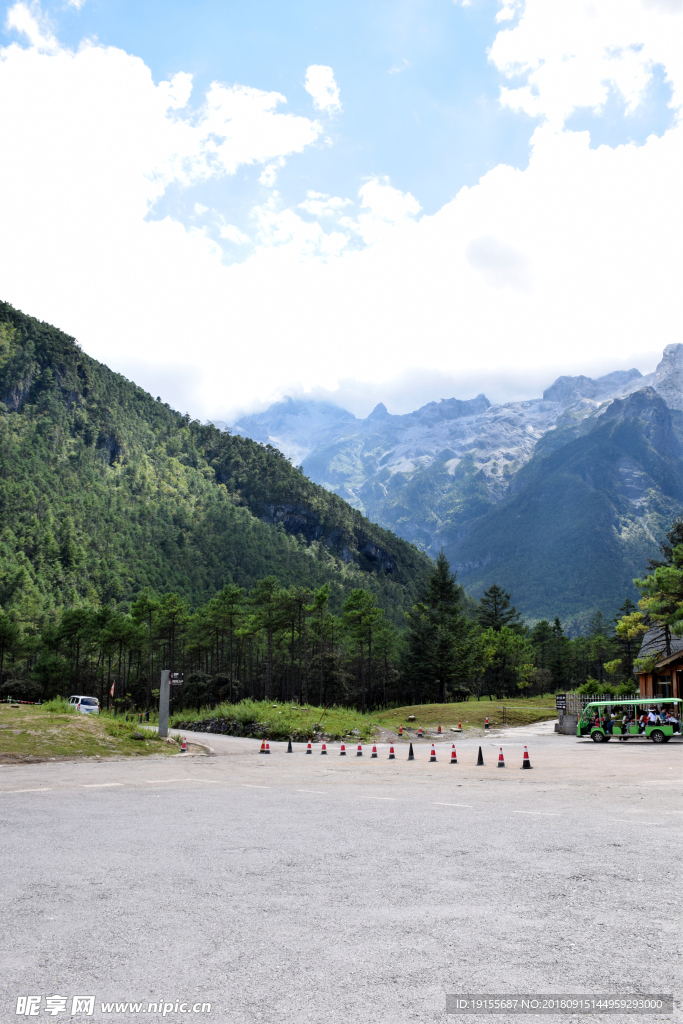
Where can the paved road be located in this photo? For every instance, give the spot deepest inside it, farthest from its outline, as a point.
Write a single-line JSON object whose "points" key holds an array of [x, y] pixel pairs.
{"points": [[292, 888]]}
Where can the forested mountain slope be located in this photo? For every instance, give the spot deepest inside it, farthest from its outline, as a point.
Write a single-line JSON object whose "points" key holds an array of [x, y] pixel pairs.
{"points": [[104, 490], [584, 515]]}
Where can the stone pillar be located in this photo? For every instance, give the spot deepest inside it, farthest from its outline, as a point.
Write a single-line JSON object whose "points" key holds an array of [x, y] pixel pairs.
{"points": [[164, 694]]}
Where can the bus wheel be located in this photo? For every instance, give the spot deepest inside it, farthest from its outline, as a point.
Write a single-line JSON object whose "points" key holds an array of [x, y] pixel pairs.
{"points": [[598, 737], [656, 736]]}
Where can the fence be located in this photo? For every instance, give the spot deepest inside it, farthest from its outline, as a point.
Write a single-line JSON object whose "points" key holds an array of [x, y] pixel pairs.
{"points": [[576, 702]]}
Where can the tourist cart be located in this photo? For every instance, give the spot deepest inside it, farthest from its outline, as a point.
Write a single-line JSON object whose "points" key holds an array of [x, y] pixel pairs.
{"points": [[657, 719]]}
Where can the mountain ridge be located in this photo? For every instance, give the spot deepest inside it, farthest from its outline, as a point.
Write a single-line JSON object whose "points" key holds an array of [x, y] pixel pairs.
{"points": [[104, 490], [436, 477]]}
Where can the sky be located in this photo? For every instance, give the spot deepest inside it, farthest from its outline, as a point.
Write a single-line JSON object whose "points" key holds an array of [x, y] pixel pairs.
{"points": [[376, 201]]}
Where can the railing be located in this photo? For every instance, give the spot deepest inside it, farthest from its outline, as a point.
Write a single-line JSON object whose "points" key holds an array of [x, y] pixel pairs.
{"points": [[576, 702]]}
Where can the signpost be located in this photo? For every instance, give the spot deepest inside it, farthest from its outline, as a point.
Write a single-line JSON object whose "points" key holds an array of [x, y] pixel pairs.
{"points": [[561, 702], [164, 694]]}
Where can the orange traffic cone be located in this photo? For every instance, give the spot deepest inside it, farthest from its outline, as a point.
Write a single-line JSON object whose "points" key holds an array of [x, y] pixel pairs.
{"points": [[342, 750], [323, 749], [392, 755], [526, 763], [432, 756], [374, 750], [359, 752], [267, 747], [486, 723], [263, 747], [454, 756], [309, 749], [400, 730], [501, 759], [419, 731], [183, 749], [439, 729]]}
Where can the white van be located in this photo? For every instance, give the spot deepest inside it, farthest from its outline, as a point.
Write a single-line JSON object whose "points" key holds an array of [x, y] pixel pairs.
{"points": [[86, 705]]}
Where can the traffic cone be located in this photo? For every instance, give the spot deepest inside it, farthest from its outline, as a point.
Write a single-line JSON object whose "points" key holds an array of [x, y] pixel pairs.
{"points": [[263, 747], [439, 729], [309, 749], [480, 759], [289, 747], [501, 759], [267, 747], [454, 756], [342, 750], [526, 763], [392, 755], [183, 749], [432, 756], [411, 755], [400, 730], [419, 731], [374, 750], [486, 723], [323, 749], [359, 752]]}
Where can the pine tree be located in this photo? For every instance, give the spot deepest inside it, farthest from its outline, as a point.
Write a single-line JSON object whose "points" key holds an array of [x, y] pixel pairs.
{"points": [[495, 611], [436, 634]]}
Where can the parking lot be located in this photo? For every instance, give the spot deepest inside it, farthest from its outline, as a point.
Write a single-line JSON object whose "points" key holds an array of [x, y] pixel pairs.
{"points": [[306, 888]]}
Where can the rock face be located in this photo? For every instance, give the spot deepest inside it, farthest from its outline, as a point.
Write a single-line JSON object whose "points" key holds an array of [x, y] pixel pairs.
{"points": [[446, 473]]}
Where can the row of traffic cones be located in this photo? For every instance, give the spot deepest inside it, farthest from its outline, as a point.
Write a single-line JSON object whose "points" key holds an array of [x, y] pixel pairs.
{"points": [[526, 763]]}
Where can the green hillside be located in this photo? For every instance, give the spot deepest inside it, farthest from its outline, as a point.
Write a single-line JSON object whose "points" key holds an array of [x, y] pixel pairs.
{"points": [[105, 490], [583, 516]]}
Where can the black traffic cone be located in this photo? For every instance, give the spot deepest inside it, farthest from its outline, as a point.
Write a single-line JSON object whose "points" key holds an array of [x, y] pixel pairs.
{"points": [[289, 746], [411, 755], [526, 763], [480, 759]]}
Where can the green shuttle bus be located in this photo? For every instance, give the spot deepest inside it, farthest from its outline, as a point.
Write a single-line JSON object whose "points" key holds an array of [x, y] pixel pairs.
{"points": [[655, 718]]}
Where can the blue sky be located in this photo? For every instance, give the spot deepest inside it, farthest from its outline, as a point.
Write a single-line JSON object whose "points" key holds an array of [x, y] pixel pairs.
{"points": [[419, 97], [460, 250]]}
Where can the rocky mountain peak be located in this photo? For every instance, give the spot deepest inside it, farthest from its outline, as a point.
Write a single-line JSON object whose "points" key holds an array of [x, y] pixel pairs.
{"points": [[668, 377], [379, 412]]}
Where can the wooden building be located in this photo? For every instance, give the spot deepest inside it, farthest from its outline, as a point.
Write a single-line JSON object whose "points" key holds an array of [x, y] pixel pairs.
{"points": [[667, 678]]}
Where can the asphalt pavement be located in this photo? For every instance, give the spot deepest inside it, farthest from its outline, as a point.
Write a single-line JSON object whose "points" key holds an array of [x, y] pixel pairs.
{"points": [[296, 888]]}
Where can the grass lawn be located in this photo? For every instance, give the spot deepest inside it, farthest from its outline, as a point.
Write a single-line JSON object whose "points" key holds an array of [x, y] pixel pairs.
{"points": [[28, 733], [471, 713], [276, 721], [279, 721]]}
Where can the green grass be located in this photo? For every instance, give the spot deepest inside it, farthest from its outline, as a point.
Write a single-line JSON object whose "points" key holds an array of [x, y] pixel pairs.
{"points": [[471, 713], [280, 721], [37, 733]]}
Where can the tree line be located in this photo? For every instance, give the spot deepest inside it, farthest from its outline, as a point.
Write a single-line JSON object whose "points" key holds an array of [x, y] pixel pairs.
{"points": [[287, 644]]}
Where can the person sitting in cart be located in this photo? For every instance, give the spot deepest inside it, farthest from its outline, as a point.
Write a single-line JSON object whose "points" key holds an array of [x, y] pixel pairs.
{"points": [[652, 716], [673, 721], [608, 724]]}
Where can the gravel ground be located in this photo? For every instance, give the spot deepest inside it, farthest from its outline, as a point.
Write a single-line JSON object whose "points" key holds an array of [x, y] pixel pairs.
{"points": [[292, 888]]}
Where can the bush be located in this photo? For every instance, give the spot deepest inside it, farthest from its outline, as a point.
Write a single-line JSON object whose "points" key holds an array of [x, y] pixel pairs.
{"points": [[21, 689], [59, 706]]}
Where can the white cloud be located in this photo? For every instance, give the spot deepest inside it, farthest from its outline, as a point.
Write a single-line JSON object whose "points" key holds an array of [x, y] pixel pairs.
{"points": [[33, 24], [501, 265], [387, 293], [322, 87]]}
